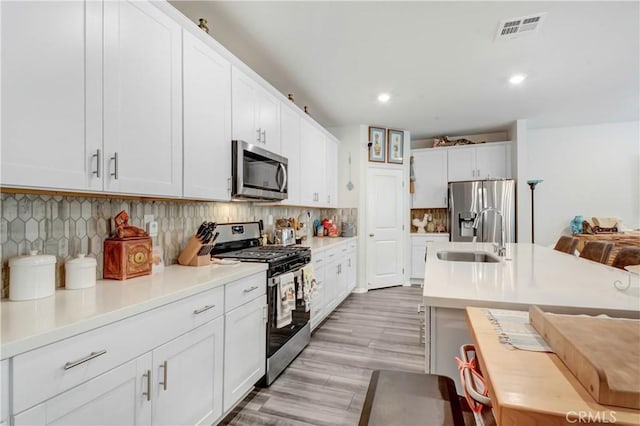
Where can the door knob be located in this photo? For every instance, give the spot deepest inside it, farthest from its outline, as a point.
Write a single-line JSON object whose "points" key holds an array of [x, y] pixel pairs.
{"points": [[371, 235]]}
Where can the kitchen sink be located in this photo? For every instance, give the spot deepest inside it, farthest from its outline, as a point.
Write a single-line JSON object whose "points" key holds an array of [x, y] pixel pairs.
{"points": [[467, 256]]}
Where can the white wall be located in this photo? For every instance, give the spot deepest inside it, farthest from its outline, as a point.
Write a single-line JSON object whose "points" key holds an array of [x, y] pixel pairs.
{"points": [[587, 170]]}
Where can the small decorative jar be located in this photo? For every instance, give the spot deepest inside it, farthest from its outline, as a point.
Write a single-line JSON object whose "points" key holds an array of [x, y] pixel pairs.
{"points": [[80, 272]]}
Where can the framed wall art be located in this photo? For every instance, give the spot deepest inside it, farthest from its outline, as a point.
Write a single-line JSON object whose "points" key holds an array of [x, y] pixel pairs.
{"points": [[378, 147], [395, 146]]}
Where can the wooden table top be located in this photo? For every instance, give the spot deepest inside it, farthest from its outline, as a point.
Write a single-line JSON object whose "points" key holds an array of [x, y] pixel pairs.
{"points": [[535, 388]]}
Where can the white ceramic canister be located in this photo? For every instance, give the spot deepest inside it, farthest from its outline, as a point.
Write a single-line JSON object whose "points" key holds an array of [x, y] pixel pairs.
{"points": [[32, 277], [80, 272]]}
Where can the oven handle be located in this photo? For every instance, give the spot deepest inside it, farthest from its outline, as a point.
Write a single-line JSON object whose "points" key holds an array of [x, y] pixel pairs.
{"points": [[274, 281]]}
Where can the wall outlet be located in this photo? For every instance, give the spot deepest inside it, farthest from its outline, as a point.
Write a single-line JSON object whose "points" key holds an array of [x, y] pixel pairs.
{"points": [[147, 218]]}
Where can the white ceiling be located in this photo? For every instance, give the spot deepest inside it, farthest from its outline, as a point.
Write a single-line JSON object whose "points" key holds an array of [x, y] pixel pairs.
{"points": [[440, 61]]}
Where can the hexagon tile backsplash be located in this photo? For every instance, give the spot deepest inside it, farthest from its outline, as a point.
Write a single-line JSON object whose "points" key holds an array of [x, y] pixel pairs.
{"points": [[66, 226]]}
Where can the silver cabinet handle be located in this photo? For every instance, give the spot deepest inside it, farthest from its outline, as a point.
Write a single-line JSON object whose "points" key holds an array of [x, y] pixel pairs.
{"points": [[203, 309], [372, 235], [264, 136], [115, 165], [147, 375], [89, 357], [164, 375], [258, 138], [250, 289], [229, 184], [478, 172], [97, 157]]}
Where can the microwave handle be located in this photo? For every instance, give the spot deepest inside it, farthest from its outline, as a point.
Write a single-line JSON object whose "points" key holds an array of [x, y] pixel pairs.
{"points": [[282, 168]]}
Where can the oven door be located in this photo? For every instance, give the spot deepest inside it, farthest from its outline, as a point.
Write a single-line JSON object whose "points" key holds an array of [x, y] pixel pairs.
{"points": [[258, 173], [278, 337]]}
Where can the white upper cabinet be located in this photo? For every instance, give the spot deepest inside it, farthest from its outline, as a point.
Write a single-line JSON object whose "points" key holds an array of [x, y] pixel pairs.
{"points": [[493, 160], [313, 162], [255, 113], [430, 170], [290, 133], [331, 181], [207, 121], [486, 161], [142, 100], [51, 94]]}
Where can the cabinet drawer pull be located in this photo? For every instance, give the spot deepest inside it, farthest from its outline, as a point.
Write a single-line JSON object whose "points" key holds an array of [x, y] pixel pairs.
{"points": [[97, 157], [89, 357], [264, 136], [258, 138], [203, 309], [250, 289], [115, 165], [147, 375], [164, 375]]}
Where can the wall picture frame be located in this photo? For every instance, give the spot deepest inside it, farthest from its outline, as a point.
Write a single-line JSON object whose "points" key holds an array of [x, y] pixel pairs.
{"points": [[395, 144], [377, 144]]}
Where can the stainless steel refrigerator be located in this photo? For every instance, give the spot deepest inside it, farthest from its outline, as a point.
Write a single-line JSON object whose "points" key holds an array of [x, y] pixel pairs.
{"points": [[467, 199]]}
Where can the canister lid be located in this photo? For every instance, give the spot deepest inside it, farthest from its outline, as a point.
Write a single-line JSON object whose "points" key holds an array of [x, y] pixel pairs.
{"points": [[33, 259], [82, 261]]}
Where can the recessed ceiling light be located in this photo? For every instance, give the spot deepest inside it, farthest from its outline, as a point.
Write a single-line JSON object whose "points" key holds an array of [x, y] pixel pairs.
{"points": [[384, 97], [517, 78]]}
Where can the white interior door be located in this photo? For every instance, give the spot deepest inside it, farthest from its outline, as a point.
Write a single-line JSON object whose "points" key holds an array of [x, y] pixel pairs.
{"points": [[384, 227]]}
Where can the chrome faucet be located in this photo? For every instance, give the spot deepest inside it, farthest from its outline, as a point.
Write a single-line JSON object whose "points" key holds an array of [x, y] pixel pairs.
{"points": [[502, 250]]}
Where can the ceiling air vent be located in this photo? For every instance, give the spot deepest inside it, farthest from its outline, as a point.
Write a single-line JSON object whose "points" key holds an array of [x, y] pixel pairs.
{"points": [[519, 27]]}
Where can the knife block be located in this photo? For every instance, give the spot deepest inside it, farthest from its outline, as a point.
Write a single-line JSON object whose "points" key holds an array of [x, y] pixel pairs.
{"points": [[189, 255]]}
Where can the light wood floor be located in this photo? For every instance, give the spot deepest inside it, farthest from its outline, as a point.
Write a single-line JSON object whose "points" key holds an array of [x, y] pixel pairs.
{"points": [[327, 382]]}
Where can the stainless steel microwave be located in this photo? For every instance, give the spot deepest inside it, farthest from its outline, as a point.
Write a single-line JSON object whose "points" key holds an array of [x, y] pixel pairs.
{"points": [[258, 174]]}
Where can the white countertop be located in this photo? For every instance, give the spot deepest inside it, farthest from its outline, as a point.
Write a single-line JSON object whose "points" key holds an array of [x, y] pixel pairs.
{"points": [[30, 324], [533, 275], [323, 243]]}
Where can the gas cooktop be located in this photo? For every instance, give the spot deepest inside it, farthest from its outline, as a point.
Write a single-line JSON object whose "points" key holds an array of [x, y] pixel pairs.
{"points": [[265, 253]]}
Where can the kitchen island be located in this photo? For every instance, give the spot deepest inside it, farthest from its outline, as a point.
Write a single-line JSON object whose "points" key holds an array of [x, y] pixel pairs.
{"points": [[529, 274]]}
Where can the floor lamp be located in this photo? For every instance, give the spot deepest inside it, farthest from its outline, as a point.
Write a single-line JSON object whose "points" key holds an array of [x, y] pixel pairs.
{"points": [[532, 184]]}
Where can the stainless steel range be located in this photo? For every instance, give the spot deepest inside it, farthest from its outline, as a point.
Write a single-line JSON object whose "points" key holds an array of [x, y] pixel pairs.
{"points": [[240, 241]]}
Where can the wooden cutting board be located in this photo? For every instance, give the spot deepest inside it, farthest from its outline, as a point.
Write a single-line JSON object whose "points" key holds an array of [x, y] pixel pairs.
{"points": [[602, 353]]}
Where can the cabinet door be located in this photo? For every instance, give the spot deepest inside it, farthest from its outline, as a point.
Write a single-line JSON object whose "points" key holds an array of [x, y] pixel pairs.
{"points": [[244, 349], [461, 164], [142, 100], [418, 250], [430, 169], [290, 137], [331, 181], [4, 392], [207, 121], [268, 119], [117, 397], [51, 94], [342, 288], [332, 284], [243, 108], [188, 377], [319, 301], [312, 158], [491, 161], [351, 271]]}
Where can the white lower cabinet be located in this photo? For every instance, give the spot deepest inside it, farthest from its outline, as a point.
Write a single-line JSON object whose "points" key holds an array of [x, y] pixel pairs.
{"points": [[335, 272], [319, 302], [117, 397], [188, 377], [244, 349], [4, 392], [184, 363], [418, 252]]}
